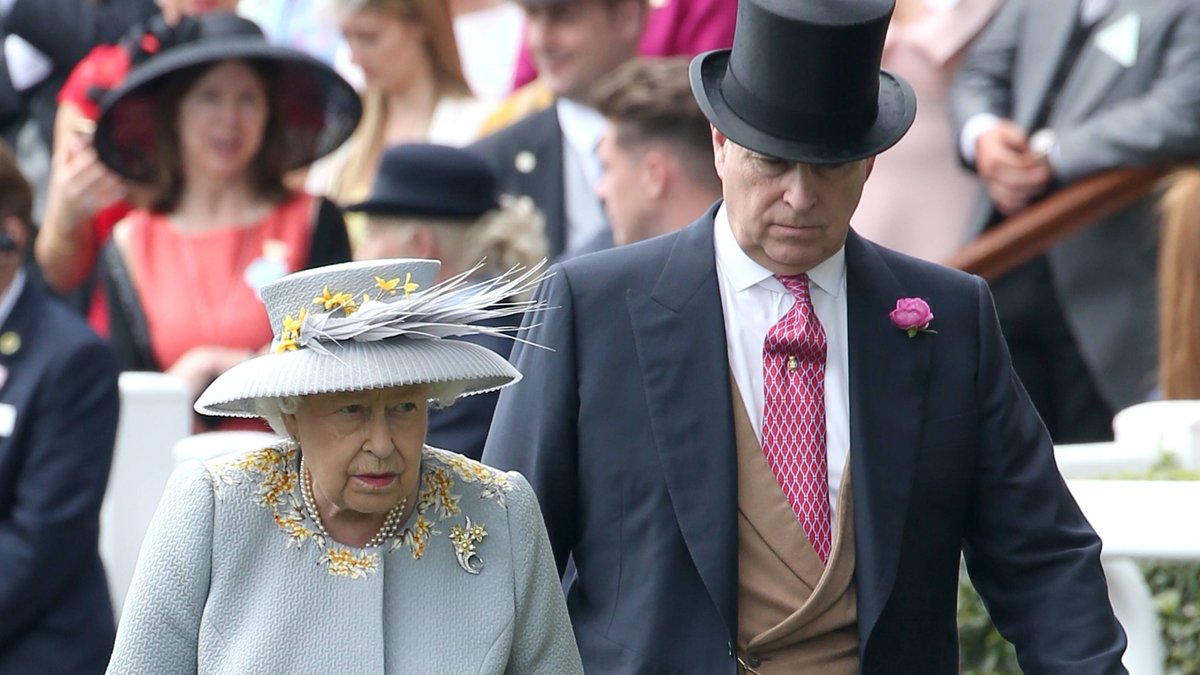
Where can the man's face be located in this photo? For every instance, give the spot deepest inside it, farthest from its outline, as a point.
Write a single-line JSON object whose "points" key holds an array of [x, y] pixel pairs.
{"points": [[625, 189], [787, 216], [575, 43]]}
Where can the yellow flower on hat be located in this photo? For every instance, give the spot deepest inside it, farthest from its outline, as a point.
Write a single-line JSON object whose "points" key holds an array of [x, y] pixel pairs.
{"points": [[287, 343], [291, 325], [289, 337], [388, 286], [332, 301], [409, 284]]}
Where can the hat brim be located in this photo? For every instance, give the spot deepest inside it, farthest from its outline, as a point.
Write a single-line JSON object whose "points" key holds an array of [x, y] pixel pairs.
{"points": [[897, 110], [386, 207], [320, 109], [465, 367]]}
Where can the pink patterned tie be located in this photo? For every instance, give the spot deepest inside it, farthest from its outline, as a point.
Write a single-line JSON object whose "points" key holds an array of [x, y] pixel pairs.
{"points": [[793, 433]]}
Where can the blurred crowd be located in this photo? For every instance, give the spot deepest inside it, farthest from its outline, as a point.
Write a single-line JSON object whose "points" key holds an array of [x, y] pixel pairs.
{"points": [[179, 156]]}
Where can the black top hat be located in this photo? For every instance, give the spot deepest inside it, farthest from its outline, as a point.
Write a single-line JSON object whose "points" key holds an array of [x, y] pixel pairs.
{"points": [[803, 82], [419, 179], [319, 110]]}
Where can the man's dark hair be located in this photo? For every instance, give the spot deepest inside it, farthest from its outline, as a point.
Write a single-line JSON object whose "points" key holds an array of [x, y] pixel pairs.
{"points": [[650, 101]]}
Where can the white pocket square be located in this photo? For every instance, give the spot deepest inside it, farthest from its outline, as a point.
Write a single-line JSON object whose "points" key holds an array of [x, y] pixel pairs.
{"points": [[1119, 40]]}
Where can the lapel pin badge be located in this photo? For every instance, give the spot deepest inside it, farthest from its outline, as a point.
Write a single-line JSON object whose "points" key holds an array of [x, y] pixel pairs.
{"points": [[10, 342], [525, 162]]}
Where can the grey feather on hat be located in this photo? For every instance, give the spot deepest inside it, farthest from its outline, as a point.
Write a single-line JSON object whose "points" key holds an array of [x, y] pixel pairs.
{"points": [[375, 324]]}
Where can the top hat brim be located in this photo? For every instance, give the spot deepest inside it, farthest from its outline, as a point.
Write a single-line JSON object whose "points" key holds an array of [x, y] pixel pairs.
{"points": [[897, 110], [320, 109]]}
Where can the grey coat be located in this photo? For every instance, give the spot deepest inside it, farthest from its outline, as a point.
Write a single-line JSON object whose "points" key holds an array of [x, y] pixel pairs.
{"points": [[233, 578]]}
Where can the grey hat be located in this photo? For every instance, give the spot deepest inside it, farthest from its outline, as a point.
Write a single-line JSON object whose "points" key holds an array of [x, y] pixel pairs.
{"points": [[371, 325]]}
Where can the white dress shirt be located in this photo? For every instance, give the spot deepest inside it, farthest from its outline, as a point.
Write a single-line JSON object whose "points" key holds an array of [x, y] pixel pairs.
{"points": [[753, 300], [582, 128]]}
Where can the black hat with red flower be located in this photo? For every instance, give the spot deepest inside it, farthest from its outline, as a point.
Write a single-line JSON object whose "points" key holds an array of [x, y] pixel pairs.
{"points": [[319, 109]]}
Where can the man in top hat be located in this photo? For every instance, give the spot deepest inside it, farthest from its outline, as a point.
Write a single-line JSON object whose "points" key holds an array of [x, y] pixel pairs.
{"points": [[550, 155], [764, 441]]}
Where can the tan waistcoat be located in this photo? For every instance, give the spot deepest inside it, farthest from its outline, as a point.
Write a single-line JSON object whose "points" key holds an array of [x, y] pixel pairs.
{"points": [[795, 614]]}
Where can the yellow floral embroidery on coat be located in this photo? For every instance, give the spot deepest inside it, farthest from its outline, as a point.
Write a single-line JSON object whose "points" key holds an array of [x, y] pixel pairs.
{"points": [[274, 469], [495, 483], [343, 562]]}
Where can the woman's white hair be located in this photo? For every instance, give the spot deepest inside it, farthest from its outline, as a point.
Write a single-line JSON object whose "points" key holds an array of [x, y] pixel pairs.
{"points": [[273, 408]]}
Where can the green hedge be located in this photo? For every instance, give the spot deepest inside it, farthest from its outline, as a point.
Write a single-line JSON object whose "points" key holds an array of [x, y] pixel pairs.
{"points": [[1175, 587]]}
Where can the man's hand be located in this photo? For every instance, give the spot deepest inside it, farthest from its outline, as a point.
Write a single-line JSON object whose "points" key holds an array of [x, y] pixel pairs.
{"points": [[1013, 175]]}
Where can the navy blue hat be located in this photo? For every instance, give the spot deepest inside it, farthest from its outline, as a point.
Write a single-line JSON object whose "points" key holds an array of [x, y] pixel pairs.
{"points": [[419, 179], [803, 82]]}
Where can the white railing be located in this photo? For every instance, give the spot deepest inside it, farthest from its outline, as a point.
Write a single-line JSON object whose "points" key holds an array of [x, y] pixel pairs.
{"points": [[156, 411]]}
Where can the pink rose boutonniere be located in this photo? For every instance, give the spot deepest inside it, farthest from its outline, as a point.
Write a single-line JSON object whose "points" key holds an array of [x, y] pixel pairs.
{"points": [[912, 315]]}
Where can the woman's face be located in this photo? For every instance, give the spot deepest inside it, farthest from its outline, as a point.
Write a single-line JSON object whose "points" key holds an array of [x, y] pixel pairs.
{"points": [[386, 47], [362, 448], [222, 120]]}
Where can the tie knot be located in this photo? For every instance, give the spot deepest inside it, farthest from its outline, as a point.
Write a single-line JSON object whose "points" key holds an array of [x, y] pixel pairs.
{"points": [[797, 284]]}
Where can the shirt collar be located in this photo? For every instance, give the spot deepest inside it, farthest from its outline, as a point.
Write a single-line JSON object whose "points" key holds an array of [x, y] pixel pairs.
{"points": [[9, 299], [581, 125], [1091, 11], [743, 272]]}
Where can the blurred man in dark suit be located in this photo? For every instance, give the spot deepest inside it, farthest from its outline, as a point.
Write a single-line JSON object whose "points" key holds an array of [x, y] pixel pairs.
{"points": [[58, 423]]}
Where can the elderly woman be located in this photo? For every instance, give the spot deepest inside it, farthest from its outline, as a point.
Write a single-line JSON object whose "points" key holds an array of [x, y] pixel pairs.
{"points": [[210, 122], [351, 546], [435, 201]]}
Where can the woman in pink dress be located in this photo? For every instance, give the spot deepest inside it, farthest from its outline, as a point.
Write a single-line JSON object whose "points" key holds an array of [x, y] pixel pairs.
{"points": [[209, 125], [918, 197]]}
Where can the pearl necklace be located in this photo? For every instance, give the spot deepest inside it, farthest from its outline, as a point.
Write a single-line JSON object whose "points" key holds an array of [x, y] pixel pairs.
{"points": [[390, 522]]}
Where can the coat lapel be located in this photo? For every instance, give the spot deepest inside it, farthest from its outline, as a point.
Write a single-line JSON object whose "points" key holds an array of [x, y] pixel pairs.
{"points": [[15, 390], [1096, 71], [1053, 27], [679, 332], [544, 181], [888, 376]]}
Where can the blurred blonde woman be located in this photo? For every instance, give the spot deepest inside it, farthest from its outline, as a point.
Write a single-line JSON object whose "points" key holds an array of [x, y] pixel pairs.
{"points": [[415, 91], [1179, 288], [439, 202]]}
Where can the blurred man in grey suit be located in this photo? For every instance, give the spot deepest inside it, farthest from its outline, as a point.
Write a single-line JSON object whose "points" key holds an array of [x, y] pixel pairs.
{"points": [[1050, 93]]}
